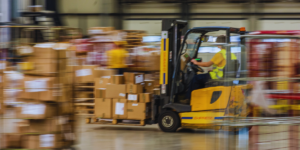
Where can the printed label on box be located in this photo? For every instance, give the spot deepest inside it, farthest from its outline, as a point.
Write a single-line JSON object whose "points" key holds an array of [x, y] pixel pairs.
{"points": [[45, 45], [95, 31], [149, 84], [27, 50], [132, 97], [122, 94], [119, 109], [29, 86], [40, 85], [47, 140], [36, 85], [139, 79], [83, 72], [15, 76], [135, 104], [34, 109], [2, 66]]}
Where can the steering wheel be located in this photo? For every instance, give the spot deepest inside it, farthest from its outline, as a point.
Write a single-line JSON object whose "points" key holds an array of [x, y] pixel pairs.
{"points": [[196, 68]]}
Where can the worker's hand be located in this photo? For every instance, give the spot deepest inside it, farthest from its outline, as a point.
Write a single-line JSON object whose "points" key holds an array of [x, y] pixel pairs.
{"points": [[194, 61]]}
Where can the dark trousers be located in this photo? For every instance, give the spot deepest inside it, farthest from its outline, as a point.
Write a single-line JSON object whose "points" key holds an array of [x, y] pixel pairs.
{"points": [[197, 82]]}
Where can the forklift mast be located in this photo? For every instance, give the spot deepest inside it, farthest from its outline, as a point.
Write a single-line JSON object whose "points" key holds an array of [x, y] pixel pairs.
{"points": [[170, 46]]}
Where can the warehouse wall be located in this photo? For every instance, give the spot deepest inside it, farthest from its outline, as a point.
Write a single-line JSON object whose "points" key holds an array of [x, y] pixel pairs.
{"points": [[153, 23], [87, 6], [250, 22]]}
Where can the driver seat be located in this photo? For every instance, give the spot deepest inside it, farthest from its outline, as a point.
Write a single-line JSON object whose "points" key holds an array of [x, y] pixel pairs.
{"points": [[232, 72]]}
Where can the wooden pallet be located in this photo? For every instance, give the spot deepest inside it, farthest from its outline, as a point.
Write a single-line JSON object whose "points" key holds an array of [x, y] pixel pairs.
{"points": [[95, 120], [84, 108], [84, 112], [89, 84]]}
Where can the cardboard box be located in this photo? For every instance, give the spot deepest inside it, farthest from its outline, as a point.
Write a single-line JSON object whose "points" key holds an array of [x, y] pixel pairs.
{"points": [[85, 74], [23, 126], [103, 108], [3, 65], [44, 65], [156, 91], [102, 82], [42, 88], [100, 72], [145, 97], [115, 91], [12, 79], [119, 108], [66, 108], [44, 141], [100, 93], [84, 94], [30, 141], [24, 50], [35, 110], [49, 50], [43, 126], [133, 98], [54, 93], [134, 88], [68, 78], [100, 30], [148, 76], [134, 78], [29, 91], [138, 111], [149, 86], [153, 63], [11, 140], [117, 79]]}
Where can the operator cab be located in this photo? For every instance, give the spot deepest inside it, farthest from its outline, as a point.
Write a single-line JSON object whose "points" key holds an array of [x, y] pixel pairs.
{"points": [[200, 43]]}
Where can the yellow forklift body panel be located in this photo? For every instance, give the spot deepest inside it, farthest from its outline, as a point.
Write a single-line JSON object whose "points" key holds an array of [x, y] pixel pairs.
{"points": [[230, 102], [210, 98], [164, 61]]}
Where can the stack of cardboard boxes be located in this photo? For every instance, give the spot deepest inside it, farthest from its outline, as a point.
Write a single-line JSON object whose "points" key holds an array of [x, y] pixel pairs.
{"points": [[45, 100], [261, 59], [274, 59], [40, 134], [86, 78], [2, 96], [286, 57], [126, 96]]}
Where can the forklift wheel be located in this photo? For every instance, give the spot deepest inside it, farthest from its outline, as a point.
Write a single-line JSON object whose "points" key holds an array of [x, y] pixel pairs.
{"points": [[169, 121]]}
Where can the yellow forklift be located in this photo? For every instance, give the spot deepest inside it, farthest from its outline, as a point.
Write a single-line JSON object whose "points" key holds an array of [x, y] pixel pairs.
{"points": [[219, 98]]}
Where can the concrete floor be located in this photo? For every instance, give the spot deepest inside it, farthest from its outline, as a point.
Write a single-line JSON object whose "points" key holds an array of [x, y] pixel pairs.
{"points": [[149, 137]]}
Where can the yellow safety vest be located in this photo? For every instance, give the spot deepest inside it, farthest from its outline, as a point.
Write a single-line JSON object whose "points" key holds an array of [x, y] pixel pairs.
{"points": [[217, 72]]}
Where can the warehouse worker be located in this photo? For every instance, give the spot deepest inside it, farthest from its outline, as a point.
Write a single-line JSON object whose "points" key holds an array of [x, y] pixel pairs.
{"points": [[117, 57], [218, 62]]}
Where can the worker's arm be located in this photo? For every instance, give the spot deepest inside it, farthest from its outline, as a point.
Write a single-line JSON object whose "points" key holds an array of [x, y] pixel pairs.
{"points": [[202, 64]]}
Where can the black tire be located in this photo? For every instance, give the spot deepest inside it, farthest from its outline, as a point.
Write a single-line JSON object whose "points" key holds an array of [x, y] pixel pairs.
{"points": [[169, 121]]}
